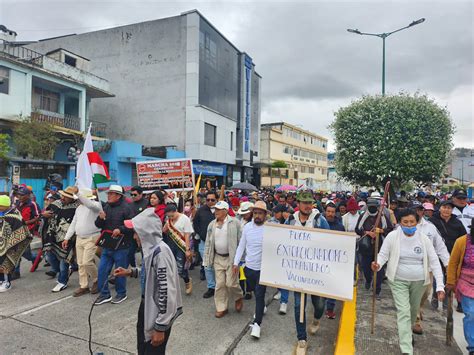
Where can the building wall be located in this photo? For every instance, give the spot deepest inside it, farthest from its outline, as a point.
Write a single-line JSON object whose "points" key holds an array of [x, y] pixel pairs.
{"points": [[300, 168], [145, 64]]}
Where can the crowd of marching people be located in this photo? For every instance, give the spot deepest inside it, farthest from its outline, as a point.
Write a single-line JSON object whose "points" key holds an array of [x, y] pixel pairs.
{"points": [[426, 249]]}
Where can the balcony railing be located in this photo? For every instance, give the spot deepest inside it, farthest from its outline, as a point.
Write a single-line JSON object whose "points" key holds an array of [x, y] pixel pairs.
{"points": [[57, 119], [21, 53]]}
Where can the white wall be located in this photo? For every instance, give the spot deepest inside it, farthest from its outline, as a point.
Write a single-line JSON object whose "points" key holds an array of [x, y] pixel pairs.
{"points": [[18, 100]]}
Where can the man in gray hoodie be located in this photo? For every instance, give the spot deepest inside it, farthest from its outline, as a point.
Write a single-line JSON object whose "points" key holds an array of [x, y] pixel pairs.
{"points": [[161, 295]]}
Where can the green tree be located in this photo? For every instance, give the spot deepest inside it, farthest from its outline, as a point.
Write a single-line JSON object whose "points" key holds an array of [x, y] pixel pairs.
{"points": [[35, 139], [4, 147], [402, 137]]}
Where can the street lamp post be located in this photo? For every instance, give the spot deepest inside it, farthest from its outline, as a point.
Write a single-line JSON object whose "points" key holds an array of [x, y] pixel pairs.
{"points": [[384, 36]]}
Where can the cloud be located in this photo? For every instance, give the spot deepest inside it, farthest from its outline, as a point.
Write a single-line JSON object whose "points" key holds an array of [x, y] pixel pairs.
{"points": [[309, 63]]}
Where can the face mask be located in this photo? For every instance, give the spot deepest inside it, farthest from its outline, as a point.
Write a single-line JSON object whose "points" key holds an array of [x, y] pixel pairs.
{"points": [[372, 209], [187, 208], [409, 230]]}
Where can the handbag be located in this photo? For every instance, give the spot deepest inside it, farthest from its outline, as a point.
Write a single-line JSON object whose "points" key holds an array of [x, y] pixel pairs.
{"points": [[106, 240]]}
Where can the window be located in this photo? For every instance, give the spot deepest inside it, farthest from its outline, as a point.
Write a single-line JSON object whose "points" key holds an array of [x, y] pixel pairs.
{"points": [[46, 100], [311, 170], [209, 134], [296, 151], [287, 150], [70, 60], [4, 80], [231, 141]]}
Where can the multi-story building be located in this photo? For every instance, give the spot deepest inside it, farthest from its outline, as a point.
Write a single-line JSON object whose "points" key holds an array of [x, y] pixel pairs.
{"points": [[304, 154], [45, 88], [178, 82]]}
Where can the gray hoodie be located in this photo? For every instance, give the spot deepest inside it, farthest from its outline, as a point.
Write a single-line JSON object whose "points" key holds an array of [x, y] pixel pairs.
{"points": [[163, 302]]}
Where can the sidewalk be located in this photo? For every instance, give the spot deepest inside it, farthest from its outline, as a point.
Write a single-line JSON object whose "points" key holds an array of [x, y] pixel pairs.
{"points": [[385, 338]]}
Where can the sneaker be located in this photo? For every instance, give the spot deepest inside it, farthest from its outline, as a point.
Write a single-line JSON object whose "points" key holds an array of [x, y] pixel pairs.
{"points": [[248, 296], [367, 285], [5, 286], [459, 308], [119, 299], [378, 296], [330, 314], [313, 327], [255, 331], [301, 347], [434, 303], [189, 287], [277, 296], [59, 287], [102, 299], [209, 293], [202, 274], [283, 308]]}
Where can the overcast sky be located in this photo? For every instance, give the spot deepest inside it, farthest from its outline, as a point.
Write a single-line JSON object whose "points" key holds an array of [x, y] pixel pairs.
{"points": [[310, 64]]}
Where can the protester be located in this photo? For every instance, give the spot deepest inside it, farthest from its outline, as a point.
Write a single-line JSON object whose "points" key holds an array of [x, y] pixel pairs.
{"points": [[31, 215], [116, 243], [203, 217], [280, 214], [367, 229], [161, 300], [450, 229], [138, 205], [15, 237], [460, 279], [59, 215], [251, 244], [462, 210], [410, 256], [223, 236], [427, 228], [84, 229], [179, 229], [309, 218], [245, 213], [349, 220], [428, 209]]}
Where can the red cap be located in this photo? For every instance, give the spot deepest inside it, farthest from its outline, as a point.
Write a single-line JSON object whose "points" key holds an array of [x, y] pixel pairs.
{"points": [[352, 205]]}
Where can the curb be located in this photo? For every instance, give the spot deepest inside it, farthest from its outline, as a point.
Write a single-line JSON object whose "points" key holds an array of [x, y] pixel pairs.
{"points": [[346, 334]]}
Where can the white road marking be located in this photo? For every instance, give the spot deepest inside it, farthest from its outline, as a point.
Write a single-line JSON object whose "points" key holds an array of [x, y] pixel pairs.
{"points": [[41, 307]]}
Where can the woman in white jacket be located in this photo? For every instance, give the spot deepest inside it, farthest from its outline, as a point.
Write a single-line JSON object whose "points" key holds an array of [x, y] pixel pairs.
{"points": [[410, 256]]}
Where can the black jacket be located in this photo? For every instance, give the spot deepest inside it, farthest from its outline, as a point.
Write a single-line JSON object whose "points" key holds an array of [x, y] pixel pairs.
{"points": [[139, 206], [450, 231], [116, 214], [201, 221]]}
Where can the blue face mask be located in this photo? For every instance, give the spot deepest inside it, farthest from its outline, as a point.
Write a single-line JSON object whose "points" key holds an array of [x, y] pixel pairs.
{"points": [[409, 230]]}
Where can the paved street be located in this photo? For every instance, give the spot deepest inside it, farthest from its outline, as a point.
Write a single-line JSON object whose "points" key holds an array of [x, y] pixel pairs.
{"points": [[34, 320]]}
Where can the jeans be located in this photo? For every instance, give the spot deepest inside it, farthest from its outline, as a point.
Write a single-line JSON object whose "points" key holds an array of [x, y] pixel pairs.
{"points": [[210, 276], [467, 304], [28, 255], [59, 266], [330, 304], [284, 295], [143, 347], [318, 304], [365, 263], [180, 257], [253, 280], [131, 253], [107, 260]]}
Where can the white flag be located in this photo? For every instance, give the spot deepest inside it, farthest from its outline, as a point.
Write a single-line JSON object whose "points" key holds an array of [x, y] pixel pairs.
{"points": [[83, 169]]}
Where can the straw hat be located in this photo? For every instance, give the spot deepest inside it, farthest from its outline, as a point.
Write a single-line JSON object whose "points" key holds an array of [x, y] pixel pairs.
{"points": [[70, 192]]}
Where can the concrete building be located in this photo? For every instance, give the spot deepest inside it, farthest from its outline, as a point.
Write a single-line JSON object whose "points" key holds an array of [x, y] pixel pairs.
{"points": [[178, 82], [45, 88], [304, 152]]}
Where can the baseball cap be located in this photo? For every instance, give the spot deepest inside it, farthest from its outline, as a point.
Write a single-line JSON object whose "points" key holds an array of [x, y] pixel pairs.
{"points": [[222, 205], [22, 191], [428, 206], [415, 204], [447, 202], [460, 193]]}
